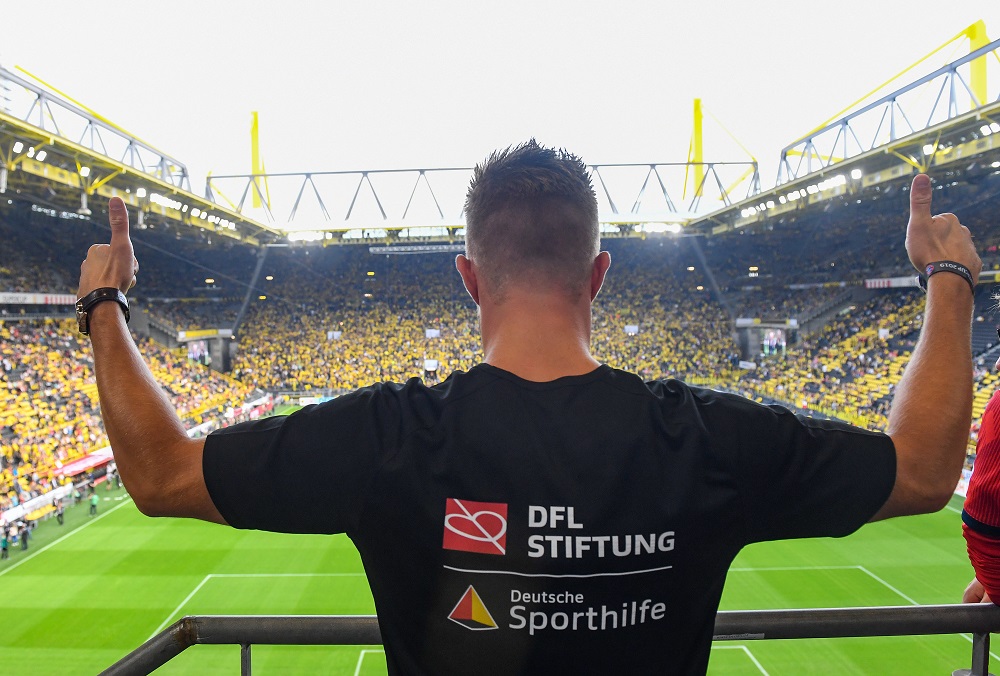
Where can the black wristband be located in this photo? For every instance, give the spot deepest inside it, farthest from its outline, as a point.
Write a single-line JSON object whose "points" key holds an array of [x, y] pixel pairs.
{"points": [[945, 266], [83, 305]]}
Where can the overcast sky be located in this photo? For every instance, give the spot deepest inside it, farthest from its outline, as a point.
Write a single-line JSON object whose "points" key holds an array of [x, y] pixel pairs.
{"points": [[368, 85]]}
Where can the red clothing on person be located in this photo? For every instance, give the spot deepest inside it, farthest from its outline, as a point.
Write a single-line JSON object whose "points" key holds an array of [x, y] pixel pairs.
{"points": [[981, 515]]}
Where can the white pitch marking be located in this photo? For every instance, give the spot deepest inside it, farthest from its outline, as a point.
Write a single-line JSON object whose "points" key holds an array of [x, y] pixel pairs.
{"points": [[180, 605], [967, 637], [780, 568], [748, 654], [232, 575], [288, 574], [875, 577], [361, 658], [29, 557]]}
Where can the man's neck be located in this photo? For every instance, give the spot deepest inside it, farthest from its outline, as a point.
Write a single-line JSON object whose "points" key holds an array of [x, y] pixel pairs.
{"points": [[538, 336]]}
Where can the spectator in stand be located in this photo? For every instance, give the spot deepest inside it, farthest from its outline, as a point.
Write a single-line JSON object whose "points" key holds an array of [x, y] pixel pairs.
{"points": [[981, 513]]}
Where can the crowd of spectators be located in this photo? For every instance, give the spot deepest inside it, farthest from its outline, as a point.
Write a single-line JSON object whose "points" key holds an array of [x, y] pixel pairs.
{"points": [[49, 410], [194, 313], [369, 317], [848, 370], [329, 319]]}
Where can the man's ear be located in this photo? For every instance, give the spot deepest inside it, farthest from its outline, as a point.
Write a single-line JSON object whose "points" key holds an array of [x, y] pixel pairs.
{"points": [[598, 272], [468, 273]]}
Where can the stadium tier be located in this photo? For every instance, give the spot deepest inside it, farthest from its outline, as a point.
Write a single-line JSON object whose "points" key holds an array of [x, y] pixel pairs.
{"points": [[319, 321]]}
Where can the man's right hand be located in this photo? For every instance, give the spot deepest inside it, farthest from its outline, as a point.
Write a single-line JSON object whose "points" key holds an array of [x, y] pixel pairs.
{"points": [[929, 427], [937, 238]]}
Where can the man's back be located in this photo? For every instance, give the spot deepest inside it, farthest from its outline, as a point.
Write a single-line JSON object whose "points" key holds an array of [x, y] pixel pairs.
{"points": [[510, 526]]}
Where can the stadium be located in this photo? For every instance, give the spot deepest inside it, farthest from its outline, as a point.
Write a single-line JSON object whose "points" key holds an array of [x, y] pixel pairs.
{"points": [[264, 293]]}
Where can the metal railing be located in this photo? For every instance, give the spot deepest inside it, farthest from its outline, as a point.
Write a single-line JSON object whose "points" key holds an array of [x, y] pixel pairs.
{"points": [[741, 625]]}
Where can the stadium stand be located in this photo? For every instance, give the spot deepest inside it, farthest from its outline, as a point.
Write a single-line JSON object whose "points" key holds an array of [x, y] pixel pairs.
{"points": [[50, 411], [323, 320]]}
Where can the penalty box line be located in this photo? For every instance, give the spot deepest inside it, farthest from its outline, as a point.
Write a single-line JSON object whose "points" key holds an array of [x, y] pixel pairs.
{"points": [[211, 576], [361, 657], [905, 597], [747, 652]]}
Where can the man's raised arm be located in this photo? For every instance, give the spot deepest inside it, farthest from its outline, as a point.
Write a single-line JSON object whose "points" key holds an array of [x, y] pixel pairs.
{"points": [[932, 408], [160, 465]]}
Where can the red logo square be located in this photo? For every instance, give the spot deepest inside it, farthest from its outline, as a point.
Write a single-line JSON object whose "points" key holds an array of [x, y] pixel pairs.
{"points": [[479, 527]]}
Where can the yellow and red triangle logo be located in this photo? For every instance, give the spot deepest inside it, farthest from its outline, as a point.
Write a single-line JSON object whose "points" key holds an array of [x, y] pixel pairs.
{"points": [[471, 613]]}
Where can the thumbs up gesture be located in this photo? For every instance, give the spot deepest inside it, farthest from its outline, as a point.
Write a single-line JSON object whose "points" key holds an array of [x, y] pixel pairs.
{"points": [[114, 264], [931, 238]]}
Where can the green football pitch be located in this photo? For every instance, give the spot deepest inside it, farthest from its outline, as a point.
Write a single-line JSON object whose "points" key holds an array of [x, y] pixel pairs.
{"points": [[88, 592]]}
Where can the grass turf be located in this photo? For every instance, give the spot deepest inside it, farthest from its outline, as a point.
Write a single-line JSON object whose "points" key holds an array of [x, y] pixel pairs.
{"points": [[88, 592]]}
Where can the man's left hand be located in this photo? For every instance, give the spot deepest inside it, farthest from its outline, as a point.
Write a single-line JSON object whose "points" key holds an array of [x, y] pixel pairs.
{"points": [[114, 264]]}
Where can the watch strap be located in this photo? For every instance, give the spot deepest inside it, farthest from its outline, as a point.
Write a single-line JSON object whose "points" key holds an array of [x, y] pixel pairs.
{"points": [[99, 295]]}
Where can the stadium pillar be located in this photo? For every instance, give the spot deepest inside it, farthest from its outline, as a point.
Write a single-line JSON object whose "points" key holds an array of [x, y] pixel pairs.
{"points": [[3, 180], [257, 165], [697, 150], [977, 75]]}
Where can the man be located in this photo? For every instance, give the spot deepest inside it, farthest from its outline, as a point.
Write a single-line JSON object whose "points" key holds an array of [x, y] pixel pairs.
{"points": [[544, 513]]}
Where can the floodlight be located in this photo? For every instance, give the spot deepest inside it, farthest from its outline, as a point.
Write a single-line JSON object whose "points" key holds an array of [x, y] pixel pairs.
{"points": [[41, 156], [928, 149], [195, 212], [18, 147], [140, 192], [209, 280], [270, 278], [995, 127], [856, 174], [85, 171], [700, 287], [985, 130], [31, 151], [690, 268]]}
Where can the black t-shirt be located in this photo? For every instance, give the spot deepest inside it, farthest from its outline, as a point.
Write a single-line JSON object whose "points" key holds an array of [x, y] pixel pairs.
{"points": [[580, 525]]}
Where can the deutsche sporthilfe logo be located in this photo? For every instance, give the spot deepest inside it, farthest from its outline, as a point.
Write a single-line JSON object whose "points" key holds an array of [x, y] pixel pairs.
{"points": [[479, 527], [471, 613]]}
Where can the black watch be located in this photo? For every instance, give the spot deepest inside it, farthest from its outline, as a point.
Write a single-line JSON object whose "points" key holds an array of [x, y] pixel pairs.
{"points": [[96, 296]]}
